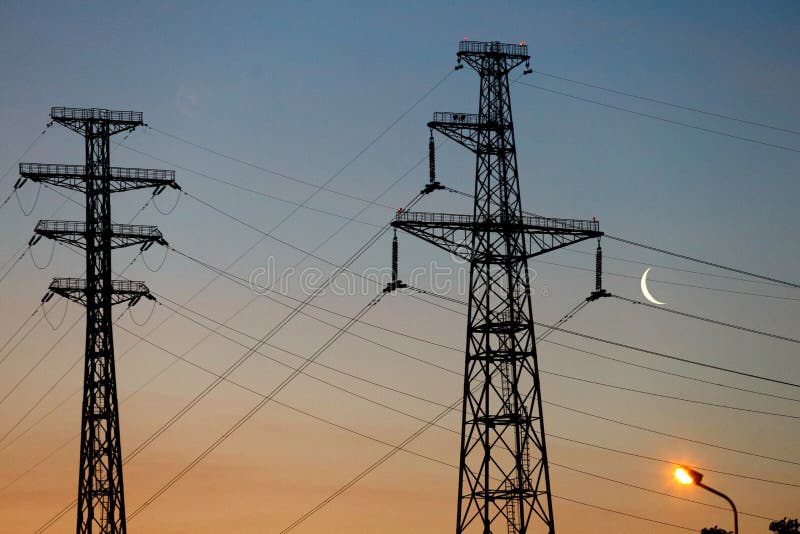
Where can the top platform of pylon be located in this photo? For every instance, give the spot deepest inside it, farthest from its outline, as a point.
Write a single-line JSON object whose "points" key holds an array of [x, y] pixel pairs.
{"points": [[127, 118], [493, 49]]}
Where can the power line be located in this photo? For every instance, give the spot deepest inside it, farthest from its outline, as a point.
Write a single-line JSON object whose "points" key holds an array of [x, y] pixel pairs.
{"points": [[669, 373], [255, 409], [681, 284], [550, 329], [261, 239], [24, 153], [673, 462], [643, 350], [666, 103], [429, 458], [250, 190], [626, 514], [761, 278], [186, 408], [673, 268], [316, 293], [540, 338], [704, 262], [672, 397], [673, 436], [707, 319], [662, 119], [339, 426], [342, 169]]}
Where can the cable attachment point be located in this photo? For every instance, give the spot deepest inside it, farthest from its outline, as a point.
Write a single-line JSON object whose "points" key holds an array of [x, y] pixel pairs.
{"points": [[528, 69], [458, 66], [135, 300]]}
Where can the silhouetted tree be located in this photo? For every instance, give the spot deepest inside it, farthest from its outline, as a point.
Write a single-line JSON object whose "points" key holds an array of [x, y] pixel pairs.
{"points": [[785, 526], [715, 530]]}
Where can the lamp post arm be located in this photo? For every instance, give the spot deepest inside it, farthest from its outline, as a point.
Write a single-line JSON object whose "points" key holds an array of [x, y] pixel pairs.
{"points": [[733, 506]]}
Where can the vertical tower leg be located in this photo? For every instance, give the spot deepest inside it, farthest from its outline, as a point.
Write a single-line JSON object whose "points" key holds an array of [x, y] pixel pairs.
{"points": [[101, 505]]}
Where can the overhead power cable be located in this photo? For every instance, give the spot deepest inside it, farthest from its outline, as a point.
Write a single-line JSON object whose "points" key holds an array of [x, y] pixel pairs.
{"points": [[540, 338], [671, 397], [342, 169], [647, 351], [669, 373], [24, 153], [255, 409], [759, 277], [752, 454], [704, 262], [673, 268], [251, 190], [666, 103], [662, 119], [549, 328], [193, 402], [707, 319], [426, 457], [681, 284]]}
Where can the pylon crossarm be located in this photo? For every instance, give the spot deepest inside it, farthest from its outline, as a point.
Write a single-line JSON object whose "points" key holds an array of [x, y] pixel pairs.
{"points": [[478, 53], [121, 235], [74, 177], [463, 128], [74, 289], [79, 119], [453, 232]]}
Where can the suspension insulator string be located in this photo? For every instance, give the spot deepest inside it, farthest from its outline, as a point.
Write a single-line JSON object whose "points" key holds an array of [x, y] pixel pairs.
{"points": [[431, 159]]}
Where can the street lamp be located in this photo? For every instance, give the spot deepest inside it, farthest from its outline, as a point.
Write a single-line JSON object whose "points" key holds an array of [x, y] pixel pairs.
{"points": [[687, 476]]}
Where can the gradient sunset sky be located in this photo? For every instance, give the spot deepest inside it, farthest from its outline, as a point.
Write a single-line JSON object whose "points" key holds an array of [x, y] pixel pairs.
{"points": [[300, 89]]}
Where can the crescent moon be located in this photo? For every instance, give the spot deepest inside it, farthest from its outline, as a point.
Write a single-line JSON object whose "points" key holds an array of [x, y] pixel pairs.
{"points": [[646, 292]]}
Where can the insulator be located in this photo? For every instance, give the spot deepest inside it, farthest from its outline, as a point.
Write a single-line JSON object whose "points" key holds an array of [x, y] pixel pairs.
{"points": [[47, 297], [432, 159], [394, 257], [35, 239], [598, 268], [20, 182], [159, 190]]}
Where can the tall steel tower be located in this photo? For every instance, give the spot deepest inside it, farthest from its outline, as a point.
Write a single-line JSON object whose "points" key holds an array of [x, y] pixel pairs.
{"points": [[101, 503], [504, 483]]}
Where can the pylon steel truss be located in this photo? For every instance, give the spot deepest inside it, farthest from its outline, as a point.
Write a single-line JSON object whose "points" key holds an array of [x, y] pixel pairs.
{"points": [[101, 502], [504, 483]]}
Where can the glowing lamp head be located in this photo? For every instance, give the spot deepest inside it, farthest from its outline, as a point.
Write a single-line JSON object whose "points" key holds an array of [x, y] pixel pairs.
{"points": [[684, 475]]}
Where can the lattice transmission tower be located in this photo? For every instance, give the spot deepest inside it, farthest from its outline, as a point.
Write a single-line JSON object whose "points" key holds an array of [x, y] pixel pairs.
{"points": [[101, 502], [504, 483]]}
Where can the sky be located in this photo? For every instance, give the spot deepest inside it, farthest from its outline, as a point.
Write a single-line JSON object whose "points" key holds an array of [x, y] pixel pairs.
{"points": [[339, 94]]}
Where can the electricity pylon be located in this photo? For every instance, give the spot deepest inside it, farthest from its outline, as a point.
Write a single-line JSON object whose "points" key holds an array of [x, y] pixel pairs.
{"points": [[101, 502], [504, 482]]}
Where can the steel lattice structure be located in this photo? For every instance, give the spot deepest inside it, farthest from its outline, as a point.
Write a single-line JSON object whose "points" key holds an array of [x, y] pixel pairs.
{"points": [[504, 483], [101, 502]]}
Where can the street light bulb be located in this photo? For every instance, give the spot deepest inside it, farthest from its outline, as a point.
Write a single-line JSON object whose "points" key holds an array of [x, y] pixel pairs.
{"points": [[683, 476]]}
